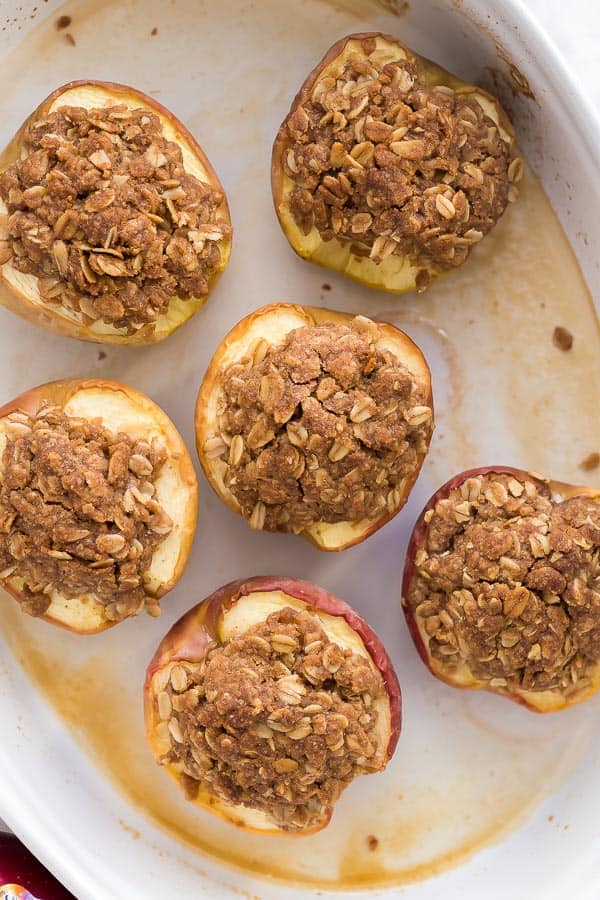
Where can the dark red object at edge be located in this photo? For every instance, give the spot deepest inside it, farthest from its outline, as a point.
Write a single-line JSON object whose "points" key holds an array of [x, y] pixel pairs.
{"points": [[19, 866]]}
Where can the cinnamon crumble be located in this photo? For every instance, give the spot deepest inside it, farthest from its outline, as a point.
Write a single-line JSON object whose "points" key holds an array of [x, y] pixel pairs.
{"points": [[507, 582], [325, 427], [102, 211], [384, 160], [279, 719], [78, 512]]}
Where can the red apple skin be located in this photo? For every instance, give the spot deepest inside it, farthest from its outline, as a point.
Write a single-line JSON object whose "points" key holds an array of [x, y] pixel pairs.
{"points": [[191, 636], [418, 533]]}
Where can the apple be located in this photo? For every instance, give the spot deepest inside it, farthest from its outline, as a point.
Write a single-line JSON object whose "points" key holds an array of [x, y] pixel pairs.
{"points": [[20, 292], [272, 324], [121, 409], [228, 613], [459, 674], [395, 273]]}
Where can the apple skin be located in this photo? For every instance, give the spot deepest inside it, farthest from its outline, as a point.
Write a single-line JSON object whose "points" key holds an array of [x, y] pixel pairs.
{"points": [[199, 629], [532, 700], [351, 533], [59, 393], [377, 276], [42, 315]]}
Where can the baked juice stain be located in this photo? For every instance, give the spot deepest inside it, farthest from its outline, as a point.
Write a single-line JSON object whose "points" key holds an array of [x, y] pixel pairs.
{"points": [[461, 777], [96, 692]]}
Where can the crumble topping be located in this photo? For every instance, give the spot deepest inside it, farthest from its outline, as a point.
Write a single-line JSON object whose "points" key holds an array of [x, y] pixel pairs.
{"points": [[102, 211], [280, 719], [325, 427], [383, 161], [78, 512], [508, 582]]}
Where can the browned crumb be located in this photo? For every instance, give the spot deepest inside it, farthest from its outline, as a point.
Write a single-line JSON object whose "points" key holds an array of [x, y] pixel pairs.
{"points": [[78, 513], [388, 163], [70, 39], [507, 582], [154, 31], [372, 842], [325, 287], [102, 211], [279, 719], [590, 462], [101, 354], [63, 22], [562, 338], [325, 427]]}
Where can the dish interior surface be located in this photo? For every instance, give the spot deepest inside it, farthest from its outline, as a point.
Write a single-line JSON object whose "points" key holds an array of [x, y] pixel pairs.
{"points": [[470, 769]]}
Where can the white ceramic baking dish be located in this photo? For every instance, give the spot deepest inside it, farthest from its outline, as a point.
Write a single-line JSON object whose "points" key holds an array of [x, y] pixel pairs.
{"points": [[482, 798]]}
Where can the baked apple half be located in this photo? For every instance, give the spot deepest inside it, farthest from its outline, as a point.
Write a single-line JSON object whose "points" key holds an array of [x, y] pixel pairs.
{"points": [[389, 169], [502, 586], [266, 700], [113, 224], [315, 422], [98, 503]]}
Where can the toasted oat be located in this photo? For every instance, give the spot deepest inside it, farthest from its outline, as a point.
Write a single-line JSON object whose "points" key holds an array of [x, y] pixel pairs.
{"points": [[265, 722], [324, 428], [508, 584], [70, 519]]}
